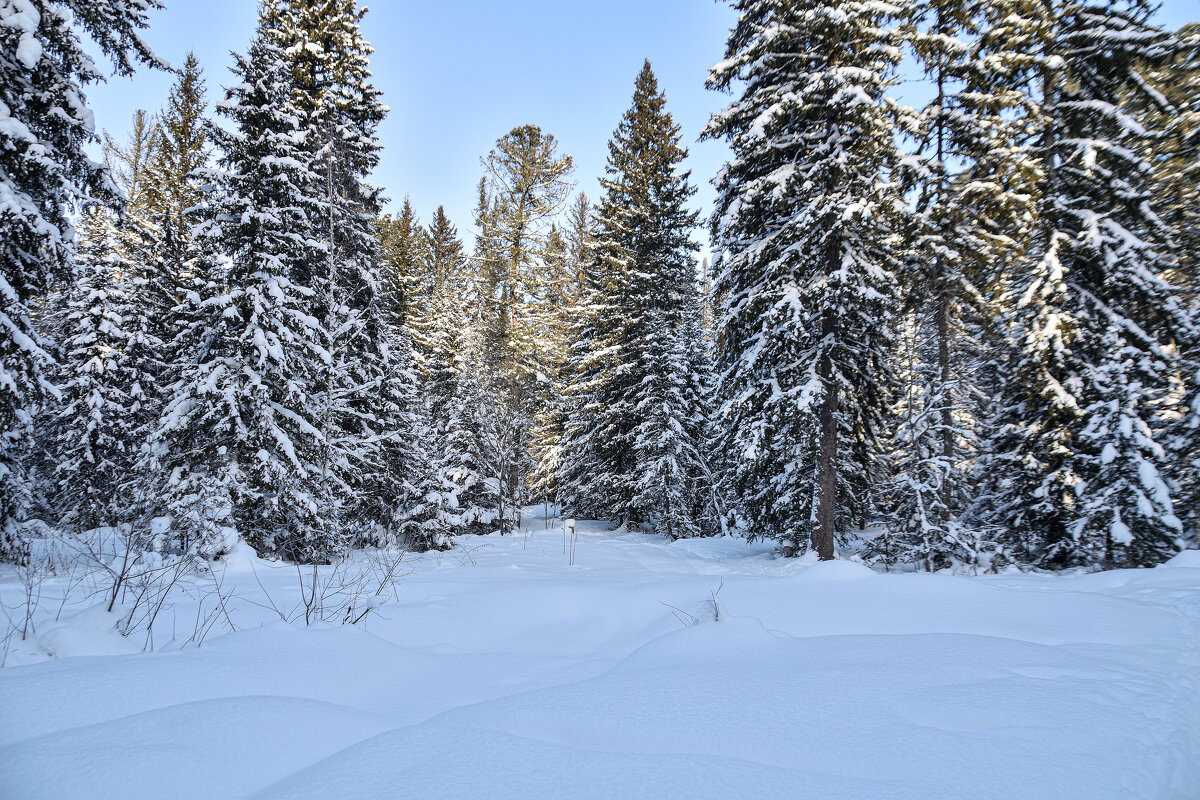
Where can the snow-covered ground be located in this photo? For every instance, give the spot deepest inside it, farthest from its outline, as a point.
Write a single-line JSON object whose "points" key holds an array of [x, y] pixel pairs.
{"points": [[499, 671]]}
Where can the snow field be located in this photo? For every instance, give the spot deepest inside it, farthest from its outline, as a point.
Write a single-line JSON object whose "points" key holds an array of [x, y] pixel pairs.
{"points": [[501, 671]]}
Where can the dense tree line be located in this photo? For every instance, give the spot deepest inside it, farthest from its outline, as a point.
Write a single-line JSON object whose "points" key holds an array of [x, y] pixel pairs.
{"points": [[961, 335]]}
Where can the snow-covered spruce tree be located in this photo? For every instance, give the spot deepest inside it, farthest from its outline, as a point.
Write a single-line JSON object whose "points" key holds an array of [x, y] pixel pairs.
{"points": [[570, 261], [709, 508], [663, 491], [439, 331], [806, 241], [1074, 474], [640, 418], [412, 500], [44, 126], [592, 460], [1176, 162], [972, 203], [241, 434], [466, 463], [180, 151], [1138, 319], [546, 432], [402, 244], [95, 432], [421, 505], [147, 298], [369, 424]]}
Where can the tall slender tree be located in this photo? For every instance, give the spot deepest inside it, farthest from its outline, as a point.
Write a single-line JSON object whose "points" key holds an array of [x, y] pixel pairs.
{"points": [[402, 244], [181, 149], [638, 419], [804, 223], [972, 205], [528, 183]]}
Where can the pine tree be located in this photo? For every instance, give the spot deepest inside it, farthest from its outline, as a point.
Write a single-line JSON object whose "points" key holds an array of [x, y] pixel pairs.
{"points": [[527, 185], [43, 170], [242, 437], [804, 225]]}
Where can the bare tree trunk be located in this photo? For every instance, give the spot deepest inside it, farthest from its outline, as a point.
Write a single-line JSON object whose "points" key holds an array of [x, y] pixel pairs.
{"points": [[822, 534], [943, 309], [947, 412]]}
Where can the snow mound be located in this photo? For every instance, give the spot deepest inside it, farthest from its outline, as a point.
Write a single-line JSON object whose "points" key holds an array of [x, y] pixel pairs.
{"points": [[1188, 558], [235, 745], [91, 632], [837, 570]]}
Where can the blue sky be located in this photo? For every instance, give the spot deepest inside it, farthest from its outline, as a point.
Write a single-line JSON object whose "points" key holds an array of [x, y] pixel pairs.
{"points": [[458, 74]]}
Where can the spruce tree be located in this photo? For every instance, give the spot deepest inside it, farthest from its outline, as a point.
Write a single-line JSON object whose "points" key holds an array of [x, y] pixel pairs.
{"points": [[438, 329], [95, 427], [147, 299], [466, 467], [181, 150], [402, 243], [1075, 469], [806, 272], [44, 170], [971, 204], [638, 449], [242, 438], [340, 111], [1175, 157]]}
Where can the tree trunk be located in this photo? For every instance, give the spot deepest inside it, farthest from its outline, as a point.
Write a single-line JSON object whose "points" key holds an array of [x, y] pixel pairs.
{"points": [[822, 533], [943, 309], [947, 412]]}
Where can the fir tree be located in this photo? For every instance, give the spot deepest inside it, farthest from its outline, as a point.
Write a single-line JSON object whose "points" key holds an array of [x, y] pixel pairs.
{"points": [[806, 273]]}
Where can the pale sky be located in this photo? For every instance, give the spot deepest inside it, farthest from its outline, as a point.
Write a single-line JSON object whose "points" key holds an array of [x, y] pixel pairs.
{"points": [[458, 74]]}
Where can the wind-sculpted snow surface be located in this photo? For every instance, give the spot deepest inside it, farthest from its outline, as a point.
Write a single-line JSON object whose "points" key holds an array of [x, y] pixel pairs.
{"points": [[702, 668]]}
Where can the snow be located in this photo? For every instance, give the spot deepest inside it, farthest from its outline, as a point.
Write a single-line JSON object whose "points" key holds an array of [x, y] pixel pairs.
{"points": [[498, 670]]}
